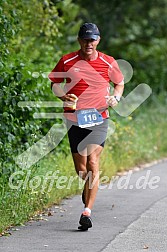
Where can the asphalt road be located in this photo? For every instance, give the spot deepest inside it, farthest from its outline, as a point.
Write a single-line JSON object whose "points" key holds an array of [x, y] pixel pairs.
{"points": [[130, 215]]}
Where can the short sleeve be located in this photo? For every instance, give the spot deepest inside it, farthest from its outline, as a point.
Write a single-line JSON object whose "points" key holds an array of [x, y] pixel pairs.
{"points": [[54, 76], [115, 73]]}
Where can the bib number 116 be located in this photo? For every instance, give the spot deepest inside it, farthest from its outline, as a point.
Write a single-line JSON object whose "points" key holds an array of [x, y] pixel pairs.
{"points": [[90, 117]]}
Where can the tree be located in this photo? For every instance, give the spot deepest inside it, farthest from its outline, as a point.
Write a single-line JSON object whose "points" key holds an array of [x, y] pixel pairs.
{"points": [[33, 36], [134, 31]]}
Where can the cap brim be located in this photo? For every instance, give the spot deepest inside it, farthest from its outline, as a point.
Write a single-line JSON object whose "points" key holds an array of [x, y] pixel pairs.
{"points": [[95, 37]]}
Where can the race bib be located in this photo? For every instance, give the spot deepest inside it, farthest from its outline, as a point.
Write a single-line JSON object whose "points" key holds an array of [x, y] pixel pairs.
{"points": [[88, 118]]}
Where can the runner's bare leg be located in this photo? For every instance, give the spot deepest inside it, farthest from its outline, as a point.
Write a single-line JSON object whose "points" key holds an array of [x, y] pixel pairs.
{"points": [[89, 164]]}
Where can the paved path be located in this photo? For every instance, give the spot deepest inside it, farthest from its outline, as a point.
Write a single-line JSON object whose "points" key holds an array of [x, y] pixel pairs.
{"points": [[131, 216]]}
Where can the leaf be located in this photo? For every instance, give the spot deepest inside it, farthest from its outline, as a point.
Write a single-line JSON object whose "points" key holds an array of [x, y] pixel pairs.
{"points": [[5, 114], [1, 65], [1, 79], [18, 76]]}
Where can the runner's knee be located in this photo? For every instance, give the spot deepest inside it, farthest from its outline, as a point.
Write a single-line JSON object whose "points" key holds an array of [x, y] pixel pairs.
{"points": [[93, 162]]}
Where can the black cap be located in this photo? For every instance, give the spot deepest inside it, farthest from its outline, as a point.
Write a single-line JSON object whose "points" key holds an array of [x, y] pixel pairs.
{"points": [[89, 31]]}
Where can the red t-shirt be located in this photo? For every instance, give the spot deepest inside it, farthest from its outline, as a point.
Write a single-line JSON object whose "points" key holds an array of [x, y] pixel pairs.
{"points": [[88, 80]]}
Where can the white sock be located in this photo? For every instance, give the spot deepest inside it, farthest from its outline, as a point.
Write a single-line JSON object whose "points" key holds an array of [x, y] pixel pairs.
{"points": [[87, 210]]}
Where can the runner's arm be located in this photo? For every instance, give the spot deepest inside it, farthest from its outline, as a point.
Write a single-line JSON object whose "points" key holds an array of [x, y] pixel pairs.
{"points": [[59, 92], [118, 89], [117, 93]]}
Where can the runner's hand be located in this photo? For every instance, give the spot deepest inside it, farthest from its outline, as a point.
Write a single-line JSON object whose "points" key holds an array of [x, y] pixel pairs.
{"points": [[111, 101], [69, 97], [70, 101]]}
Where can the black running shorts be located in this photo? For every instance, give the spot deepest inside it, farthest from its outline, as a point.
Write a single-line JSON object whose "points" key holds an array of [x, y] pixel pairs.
{"points": [[79, 138]]}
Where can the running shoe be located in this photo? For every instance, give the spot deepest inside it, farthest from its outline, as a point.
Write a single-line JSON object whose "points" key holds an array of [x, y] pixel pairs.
{"points": [[85, 221]]}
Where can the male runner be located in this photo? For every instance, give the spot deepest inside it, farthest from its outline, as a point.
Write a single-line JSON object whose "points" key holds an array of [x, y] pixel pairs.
{"points": [[86, 96]]}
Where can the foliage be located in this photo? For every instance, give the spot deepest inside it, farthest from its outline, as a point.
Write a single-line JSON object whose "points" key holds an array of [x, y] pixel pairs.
{"points": [[8, 28], [43, 27], [134, 31], [30, 44], [27, 45], [17, 125], [138, 139]]}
